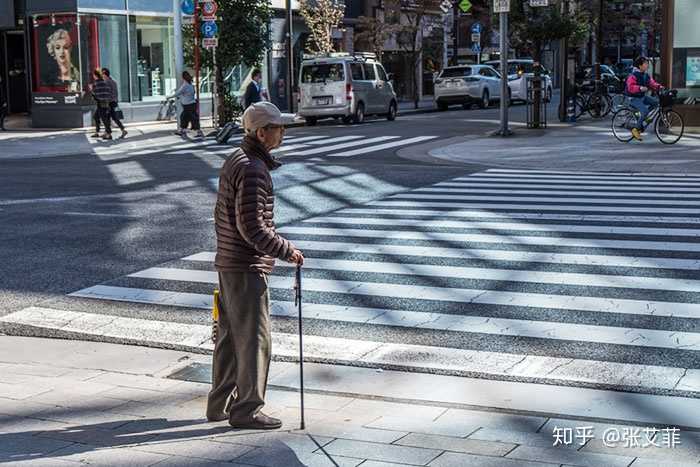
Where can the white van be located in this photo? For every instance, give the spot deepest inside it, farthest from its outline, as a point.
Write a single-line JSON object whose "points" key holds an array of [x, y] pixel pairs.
{"points": [[345, 86]]}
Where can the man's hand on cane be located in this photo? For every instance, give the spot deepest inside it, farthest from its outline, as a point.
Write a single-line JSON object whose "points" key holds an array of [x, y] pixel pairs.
{"points": [[297, 258]]}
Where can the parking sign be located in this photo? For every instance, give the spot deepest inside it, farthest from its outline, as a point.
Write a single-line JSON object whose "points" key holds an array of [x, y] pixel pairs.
{"points": [[501, 6]]}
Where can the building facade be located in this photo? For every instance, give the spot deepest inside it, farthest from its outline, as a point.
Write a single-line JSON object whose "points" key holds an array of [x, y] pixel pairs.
{"points": [[680, 55]]}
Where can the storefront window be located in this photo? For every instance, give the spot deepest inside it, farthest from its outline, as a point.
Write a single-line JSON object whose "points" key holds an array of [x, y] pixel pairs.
{"points": [[55, 59], [686, 46], [103, 45], [152, 58]]}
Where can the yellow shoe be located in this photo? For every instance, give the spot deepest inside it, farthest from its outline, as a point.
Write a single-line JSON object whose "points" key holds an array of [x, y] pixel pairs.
{"points": [[637, 134]]}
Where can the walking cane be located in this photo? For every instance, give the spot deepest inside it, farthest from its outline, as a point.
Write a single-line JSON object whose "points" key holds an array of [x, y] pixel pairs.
{"points": [[297, 302]]}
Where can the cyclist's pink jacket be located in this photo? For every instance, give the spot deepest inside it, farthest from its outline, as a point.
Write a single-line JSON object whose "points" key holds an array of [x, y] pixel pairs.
{"points": [[633, 83]]}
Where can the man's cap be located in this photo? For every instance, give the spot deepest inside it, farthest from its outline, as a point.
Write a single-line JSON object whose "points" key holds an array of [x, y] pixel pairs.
{"points": [[262, 114]]}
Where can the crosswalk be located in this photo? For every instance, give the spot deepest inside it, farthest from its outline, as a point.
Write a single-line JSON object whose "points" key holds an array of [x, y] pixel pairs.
{"points": [[572, 278], [332, 146]]}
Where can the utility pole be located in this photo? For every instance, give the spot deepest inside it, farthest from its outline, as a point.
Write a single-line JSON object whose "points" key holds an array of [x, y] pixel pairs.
{"points": [[455, 34], [502, 9], [290, 58]]}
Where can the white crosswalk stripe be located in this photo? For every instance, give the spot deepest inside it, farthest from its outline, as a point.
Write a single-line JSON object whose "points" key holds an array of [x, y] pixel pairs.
{"points": [[613, 281]]}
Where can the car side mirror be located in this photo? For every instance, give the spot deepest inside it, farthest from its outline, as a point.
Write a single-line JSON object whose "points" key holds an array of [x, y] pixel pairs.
{"points": [[390, 77]]}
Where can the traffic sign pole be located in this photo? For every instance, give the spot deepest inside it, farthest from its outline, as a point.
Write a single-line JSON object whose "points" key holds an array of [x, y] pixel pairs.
{"points": [[196, 53]]}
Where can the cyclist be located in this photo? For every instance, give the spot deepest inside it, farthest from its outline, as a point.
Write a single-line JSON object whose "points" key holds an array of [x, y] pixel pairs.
{"points": [[637, 85]]}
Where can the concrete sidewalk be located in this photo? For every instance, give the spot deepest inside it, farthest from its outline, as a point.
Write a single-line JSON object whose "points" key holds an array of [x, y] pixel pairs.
{"points": [[65, 402]]}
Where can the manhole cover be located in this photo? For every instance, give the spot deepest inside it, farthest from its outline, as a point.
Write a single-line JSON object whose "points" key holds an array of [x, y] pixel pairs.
{"points": [[194, 372]]}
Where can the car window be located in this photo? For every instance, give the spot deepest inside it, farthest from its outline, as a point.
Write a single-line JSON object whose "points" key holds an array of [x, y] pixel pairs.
{"points": [[456, 72], [381, 73], [488, 72], [322, 73], [356, 71], [369, 71]]}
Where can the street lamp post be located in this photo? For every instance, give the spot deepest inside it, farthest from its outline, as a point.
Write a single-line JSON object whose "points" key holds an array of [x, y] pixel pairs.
{"points": [[290, 58], [503, 18]]}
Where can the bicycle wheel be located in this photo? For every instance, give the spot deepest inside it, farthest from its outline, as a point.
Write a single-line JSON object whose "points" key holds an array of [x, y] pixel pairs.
{"points": [[622, 123], [598, 106], [669, 126]]}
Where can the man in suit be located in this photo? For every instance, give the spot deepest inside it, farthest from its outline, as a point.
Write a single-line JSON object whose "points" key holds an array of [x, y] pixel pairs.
{"points": [[253, 92]]}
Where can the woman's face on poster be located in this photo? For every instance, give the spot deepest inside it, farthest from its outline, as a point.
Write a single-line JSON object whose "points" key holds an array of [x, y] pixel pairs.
{"points": [[61, 51]]}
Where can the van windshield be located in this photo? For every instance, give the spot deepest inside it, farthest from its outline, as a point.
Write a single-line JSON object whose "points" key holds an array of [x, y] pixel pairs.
{"points": [[456, 72], [322, 73]]}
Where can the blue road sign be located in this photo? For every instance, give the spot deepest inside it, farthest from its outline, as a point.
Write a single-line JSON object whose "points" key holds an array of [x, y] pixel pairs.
{"points": [[187, 7], [476, 48], [209, 29], [477, 28]]}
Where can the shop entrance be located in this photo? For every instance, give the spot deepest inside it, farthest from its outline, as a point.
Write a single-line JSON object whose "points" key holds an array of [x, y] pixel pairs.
{"points": [[14, 70]]}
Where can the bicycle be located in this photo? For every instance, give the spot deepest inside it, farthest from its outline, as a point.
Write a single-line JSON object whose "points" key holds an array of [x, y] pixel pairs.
{"points": [[167, 110], [596, 103], [668, 124]]}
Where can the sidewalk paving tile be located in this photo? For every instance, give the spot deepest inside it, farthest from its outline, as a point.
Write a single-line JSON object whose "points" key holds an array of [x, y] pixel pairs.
{"points": [[201, 448], [382, 464], [446, 428], [18, 446], [119, 437], [32, 369], [19, 424], [639, 462], [501, 421], [282, 455], [453, 459], [568, 456], [448, 443], [177, 461], [417, 411], [598, 428], [65, 398], [266, 439], [136, 381], [21, 391], [311, 401], [381, 452], [354, 432], [685, 452], [108, 456], [23, 408], [544, 440], [87, 416]]}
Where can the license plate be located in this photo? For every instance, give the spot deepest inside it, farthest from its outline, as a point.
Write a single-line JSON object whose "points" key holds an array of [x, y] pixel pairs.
{"points": [[324, 101]]}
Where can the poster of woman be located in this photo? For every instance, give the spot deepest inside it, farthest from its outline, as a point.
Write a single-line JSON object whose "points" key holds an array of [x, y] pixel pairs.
{"points": [[56, 54]]}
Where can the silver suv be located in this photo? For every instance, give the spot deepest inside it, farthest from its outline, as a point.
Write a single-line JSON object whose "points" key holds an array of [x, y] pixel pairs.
{"points": [[466, 85], [345, 86]]}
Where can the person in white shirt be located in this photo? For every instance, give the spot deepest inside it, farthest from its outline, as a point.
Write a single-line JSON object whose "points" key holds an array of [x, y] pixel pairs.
{"points": [[186, 94]]}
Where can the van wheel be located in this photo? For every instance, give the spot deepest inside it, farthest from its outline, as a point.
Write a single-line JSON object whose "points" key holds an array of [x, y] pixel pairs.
{"points": [[442, 106], [485, 100], [311, 121], [359, 116], [391, 115]]}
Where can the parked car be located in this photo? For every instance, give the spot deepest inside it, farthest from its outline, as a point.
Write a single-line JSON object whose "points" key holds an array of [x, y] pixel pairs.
{"points": [[519, 70], [466, 85], [345, 86]]}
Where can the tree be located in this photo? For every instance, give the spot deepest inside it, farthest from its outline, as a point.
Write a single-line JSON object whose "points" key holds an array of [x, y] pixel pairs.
{"points": [[321, 16], [243, 39], [412, 20], [532, 28], [372, 34]]}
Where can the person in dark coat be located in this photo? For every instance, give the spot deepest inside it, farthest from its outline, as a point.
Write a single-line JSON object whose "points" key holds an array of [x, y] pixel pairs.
{"points": [[253, 92], [102, 93]]}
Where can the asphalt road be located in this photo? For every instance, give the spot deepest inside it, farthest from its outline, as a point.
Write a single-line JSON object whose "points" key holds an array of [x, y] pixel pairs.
{"points": [[567, 267]]}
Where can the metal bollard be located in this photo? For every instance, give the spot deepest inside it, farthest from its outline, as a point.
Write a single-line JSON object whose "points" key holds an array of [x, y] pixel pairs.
{"points": [[571, 109]]}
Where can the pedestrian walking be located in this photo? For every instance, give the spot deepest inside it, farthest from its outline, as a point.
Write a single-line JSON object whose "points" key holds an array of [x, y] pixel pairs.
{"points": [[102, 94], [253, 93], [247, 246], [114, 102], [189, 115]]}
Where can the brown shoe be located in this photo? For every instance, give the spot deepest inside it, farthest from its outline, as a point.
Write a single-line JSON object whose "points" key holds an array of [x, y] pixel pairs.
{"points": [[258, 421]]}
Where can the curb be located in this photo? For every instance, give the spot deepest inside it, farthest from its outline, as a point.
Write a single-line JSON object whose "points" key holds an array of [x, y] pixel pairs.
{"points": [[323, 350]]}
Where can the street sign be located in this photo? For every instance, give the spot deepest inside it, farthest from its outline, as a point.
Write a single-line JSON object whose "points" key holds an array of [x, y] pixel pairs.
{"points": [[477, 28], [210, 42], [465, 5], [187, 7], [209, 29], [539, 2], [209, 9], [501, 6], [446, 6], [476, 37], [476, 48]]}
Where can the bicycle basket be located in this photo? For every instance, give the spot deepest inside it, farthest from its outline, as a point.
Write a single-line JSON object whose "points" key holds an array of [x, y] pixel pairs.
{"points": [[666, 99]]}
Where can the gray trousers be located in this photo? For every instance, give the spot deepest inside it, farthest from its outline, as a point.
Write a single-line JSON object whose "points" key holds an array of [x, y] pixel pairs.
{"points": [[244, 345]]}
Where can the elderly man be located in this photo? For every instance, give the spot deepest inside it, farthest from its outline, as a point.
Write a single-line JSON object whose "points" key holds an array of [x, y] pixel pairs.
{"points": [[247, 246]]}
